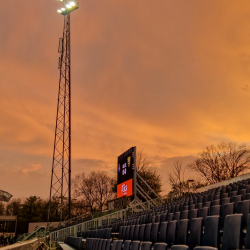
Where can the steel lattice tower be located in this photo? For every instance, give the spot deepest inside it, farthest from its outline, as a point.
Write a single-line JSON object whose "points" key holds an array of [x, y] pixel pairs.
{"points": [[60, 187]]}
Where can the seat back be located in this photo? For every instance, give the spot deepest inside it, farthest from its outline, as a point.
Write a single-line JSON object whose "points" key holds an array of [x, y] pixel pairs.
{"points": [[127, 245], [171, 233], [108, 245], [195, 233], [141, 232], [160, 246], [182, 232], [114, 244], [135, 245], [211, 232], [147, 233], [155, 232], [131, 234], [119, 245], [232, 232], [243, 208], [146, 245], [136, 232], [163, 232]]}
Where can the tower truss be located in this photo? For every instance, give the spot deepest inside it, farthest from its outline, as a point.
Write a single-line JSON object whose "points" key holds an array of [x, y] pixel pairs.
{"points": [[60, 186]]}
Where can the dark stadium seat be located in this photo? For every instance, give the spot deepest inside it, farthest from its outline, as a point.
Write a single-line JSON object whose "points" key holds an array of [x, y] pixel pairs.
{"points": [[171, 233], [136, 232], [104, 243], [182, 232], [97, 244], [232, 232], [215, 210], [227, 209], [184, 215], [146, 245], [158, 218], [247, 240], [155, 232], [114, 245], [160, 246], [199, 206], [225, 195], [163, 231], [135, 245], [153, 219], [232, 194], [147, 233], [131, 234], [223, 202], [191, 207], [242, 192], [119, 245], [127, 233], [243, 208], [108, 245], [215, 203], [126, 245], [192, 214], [177, 216], [211, 231], [203, 213], [170, 217], [179, 247], [100, 244], [141, 232], [236, 199], [120, 232], [164, 217], [247, 196], [195, 233]]}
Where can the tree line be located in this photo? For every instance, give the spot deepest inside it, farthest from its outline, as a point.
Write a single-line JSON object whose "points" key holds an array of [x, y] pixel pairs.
{"points": [[91, 192], [213, 164]]}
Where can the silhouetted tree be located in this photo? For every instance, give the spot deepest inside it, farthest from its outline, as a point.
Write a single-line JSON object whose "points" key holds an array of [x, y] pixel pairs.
{"points": [[95, 189], [222, 161]]}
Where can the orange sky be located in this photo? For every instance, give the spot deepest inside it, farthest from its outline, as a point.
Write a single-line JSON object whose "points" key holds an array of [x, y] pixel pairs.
{"points": [[167, 76]]}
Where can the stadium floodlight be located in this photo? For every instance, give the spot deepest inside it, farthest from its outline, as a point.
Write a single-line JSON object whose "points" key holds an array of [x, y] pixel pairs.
{"points": [[69, 7]]}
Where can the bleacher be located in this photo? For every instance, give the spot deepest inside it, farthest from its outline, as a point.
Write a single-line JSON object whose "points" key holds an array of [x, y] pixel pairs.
{"points": [[214, 219], [218, 218]]}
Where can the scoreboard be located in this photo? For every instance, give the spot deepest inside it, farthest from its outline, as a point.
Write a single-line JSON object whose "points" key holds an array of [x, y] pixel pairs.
{"points": [[125, 173]]}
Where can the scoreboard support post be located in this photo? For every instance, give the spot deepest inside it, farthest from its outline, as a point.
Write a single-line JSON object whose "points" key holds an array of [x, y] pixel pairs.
{"points": [[134, 173]]}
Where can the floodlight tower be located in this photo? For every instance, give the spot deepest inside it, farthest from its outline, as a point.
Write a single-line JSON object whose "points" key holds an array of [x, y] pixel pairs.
{"points": [[60, 187]]}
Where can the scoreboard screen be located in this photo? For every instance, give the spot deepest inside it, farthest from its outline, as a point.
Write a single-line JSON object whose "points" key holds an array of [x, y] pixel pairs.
{"points": [[125, 173]]}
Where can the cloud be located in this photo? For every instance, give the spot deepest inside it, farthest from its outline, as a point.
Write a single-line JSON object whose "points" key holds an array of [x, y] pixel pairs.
{"points": [[32, 168], [165, 76]]}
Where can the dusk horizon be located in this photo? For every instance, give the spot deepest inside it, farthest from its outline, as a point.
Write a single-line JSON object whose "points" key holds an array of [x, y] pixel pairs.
{"points": [[170, 77]]}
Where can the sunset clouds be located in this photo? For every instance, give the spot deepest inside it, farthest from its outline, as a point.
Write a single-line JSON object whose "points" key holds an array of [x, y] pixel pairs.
{"points": [[167, 76]]}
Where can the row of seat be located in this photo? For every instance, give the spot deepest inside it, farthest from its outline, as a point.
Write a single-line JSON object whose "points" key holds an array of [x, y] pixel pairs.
{"points": [[172, 238], [102, 244]]}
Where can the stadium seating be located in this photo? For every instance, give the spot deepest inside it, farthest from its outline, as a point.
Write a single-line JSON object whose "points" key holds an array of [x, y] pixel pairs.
{"points": [[215, 219]]}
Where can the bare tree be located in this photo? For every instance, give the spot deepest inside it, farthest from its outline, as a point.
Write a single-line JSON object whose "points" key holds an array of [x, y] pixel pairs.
{"points": [[222, 161], [95, 189], [176, 178], [149, 174]]}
